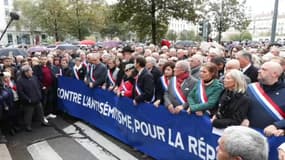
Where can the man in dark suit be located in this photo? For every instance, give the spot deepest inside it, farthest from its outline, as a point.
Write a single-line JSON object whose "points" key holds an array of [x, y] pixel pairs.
{"points": [[97, 73], [267, 110], [65, 70], [29, 91], [144, 86], [247, 67], [156, 74]]}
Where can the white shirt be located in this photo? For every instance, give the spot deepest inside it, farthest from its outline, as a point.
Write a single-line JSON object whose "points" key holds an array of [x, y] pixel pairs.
{"points": [[246, 67], [140, 71]]}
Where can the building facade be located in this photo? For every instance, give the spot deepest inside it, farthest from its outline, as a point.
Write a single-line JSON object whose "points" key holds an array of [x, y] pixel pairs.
{"points": [[178, 25], [261, 24], [13, 36]]}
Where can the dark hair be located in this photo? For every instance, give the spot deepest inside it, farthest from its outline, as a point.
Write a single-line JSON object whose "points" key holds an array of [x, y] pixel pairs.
{"points": [[247, 56], [127, 49], [218, 60], [141, 61], [212, 68], [168, 64]]}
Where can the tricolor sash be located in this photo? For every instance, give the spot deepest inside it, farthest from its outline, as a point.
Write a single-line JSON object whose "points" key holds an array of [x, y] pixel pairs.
{"points": [[177, 91], [110, 78], [60, 72], [11, 85], [84, 63], [139, 91], [124, 86], [202, 92], [76, 73], [92, 78], [88, 67], [164, 82], [266, 102]]}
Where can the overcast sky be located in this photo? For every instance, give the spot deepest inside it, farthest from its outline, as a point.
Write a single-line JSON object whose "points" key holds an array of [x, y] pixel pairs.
{"points": [[259, 6]]}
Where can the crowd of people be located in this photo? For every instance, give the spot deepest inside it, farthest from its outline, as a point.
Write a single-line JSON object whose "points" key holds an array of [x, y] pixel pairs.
{"points": [[243, 86]]}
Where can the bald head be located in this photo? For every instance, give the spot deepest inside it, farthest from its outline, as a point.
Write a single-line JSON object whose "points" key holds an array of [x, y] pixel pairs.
{"points": [[95, 58], [269, 73], [275, 68], [279, 60]]}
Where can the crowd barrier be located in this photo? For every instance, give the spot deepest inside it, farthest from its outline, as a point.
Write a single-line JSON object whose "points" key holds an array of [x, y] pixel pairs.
{"points": [[151, 130]]}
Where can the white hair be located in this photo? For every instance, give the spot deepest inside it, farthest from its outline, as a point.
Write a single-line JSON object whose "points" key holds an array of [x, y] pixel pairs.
{"points": [[199, 57], [184, 65], [151, 60], [172, 50], [106, 55], [239, 78], [246, 143], [94, 56]]}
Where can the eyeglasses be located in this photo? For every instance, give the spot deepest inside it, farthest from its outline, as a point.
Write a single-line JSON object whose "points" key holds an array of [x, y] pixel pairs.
{"points": [[126, 70]]}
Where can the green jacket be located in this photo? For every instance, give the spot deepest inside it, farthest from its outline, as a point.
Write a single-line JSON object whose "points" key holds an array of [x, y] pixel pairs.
{"points": [[213, 92]]}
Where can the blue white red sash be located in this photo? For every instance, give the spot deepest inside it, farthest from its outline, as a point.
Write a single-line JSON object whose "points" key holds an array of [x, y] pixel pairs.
{"points": [[60, 72], [139, 91], [92, 78], [76, 73], [202, 92], [88, 67], [266, 102], [84, 63], [110, 78], [177, 91], [164, 82], [124, 86], [11, 85]]}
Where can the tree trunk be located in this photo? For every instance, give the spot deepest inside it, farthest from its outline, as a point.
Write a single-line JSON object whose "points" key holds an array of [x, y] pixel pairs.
{"points": [[78, 22], [56, 35], [220, 37], [153, 22]]}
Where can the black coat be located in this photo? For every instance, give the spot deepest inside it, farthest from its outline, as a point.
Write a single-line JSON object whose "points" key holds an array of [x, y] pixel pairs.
{"points": [[233, 109], [37, 71], [100, 74], [29, 90], [81, 72], [156, 74], [252, 73], [146, 84], [67, 72]]}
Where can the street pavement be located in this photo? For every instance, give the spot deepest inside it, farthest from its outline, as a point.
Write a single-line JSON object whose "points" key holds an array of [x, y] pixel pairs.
{"points": [[66, 139]]}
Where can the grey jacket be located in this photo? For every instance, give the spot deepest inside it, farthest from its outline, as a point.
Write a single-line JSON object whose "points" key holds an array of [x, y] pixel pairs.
{"points": [[195, 72], [187, 86]]}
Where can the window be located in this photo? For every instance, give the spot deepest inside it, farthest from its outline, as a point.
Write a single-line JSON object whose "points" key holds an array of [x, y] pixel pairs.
{"points": [[26, 39], [10, 38], [6, 2], [7, 13]]}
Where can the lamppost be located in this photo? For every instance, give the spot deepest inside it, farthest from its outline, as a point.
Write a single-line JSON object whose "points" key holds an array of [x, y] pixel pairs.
{"points": [[14, 16], [274, 21], [220, 28]]}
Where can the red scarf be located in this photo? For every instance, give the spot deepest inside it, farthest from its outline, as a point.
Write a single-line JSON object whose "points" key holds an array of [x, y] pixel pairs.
{"points": [[11, 85], [176, 84], [181, 78]]}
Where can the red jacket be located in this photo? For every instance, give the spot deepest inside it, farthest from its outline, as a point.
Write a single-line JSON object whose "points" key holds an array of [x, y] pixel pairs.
{"points": [[127, 87]]}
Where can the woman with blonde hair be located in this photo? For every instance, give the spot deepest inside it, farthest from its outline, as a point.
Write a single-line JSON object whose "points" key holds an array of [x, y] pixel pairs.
{"points": [[234, 103]]}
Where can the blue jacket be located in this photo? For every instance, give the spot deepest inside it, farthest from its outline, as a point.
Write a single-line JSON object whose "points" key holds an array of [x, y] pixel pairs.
{"points": [[260, 117]]}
